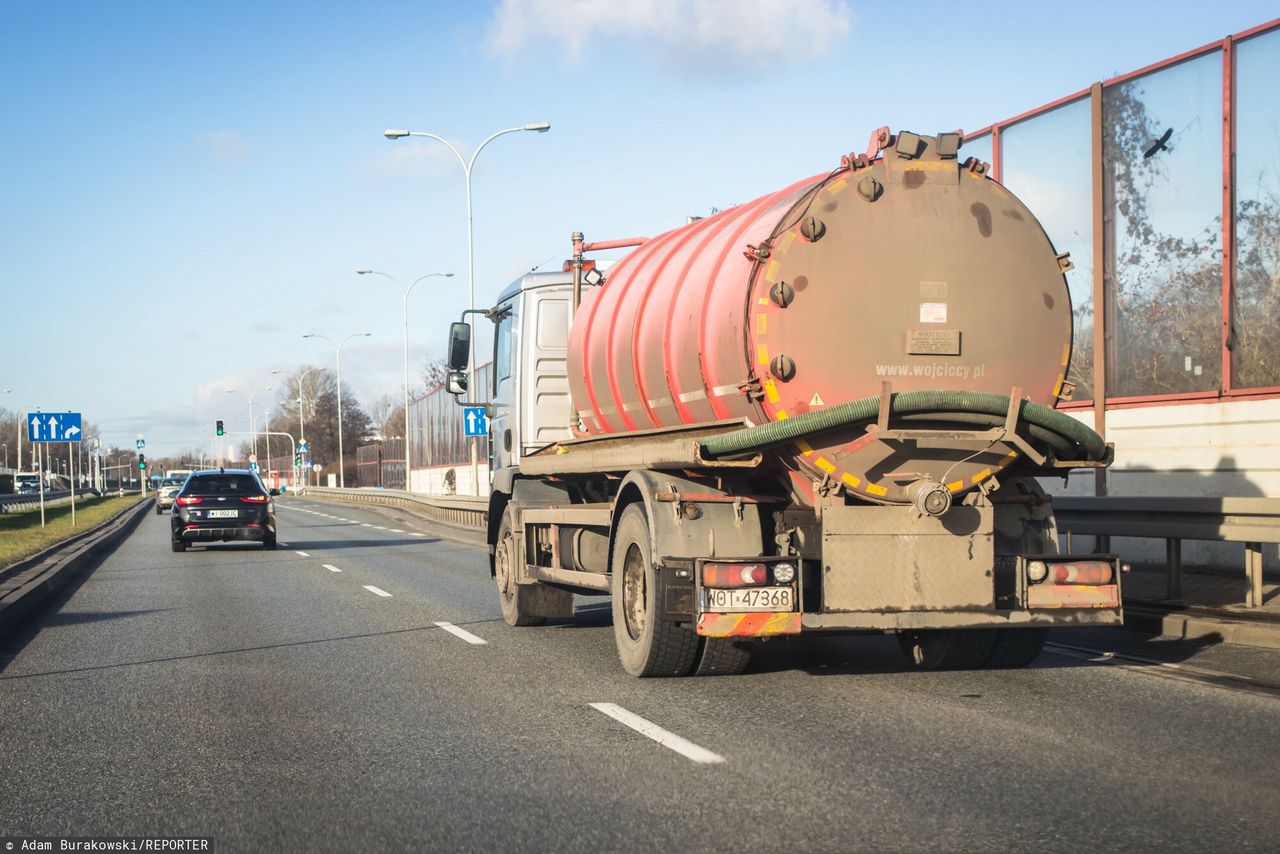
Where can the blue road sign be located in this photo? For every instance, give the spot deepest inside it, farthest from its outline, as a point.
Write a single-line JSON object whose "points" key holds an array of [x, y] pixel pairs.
{"points": [[53, 427], [253, 466], [139, 443], [302, 447], [476, 422]]}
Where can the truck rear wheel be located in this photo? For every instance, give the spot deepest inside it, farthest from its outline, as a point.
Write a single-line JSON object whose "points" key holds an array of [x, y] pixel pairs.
{"points": [[723, 657], [947, 649], [648, 645], [522, 604], [1016, 647]]}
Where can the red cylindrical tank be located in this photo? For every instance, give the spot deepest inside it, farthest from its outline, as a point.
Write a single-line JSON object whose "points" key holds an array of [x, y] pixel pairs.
{"points": [[909, 269]]}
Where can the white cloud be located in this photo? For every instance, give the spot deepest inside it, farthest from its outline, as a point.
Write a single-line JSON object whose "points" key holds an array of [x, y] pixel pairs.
{"points": [[739, 33]]}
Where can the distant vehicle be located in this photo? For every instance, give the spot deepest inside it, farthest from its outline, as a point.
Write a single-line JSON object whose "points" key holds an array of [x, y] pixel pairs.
{"points": [[26, 484], [223, 504], [166, 490], [180, 473]]}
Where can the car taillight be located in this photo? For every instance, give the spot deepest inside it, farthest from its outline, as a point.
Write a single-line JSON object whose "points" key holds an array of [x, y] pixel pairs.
{"points": [[1082, 572], [734, 574], [188, 500], [254, 499]]}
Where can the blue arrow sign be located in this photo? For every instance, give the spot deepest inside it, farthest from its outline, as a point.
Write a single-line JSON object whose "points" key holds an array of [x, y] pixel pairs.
{"points": [[475, 421], [53, 427]]}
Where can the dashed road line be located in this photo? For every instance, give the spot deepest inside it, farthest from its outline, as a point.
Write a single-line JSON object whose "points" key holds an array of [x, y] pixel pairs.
{"points": [[331, 567], [416, 534], [379, 528], [396, 531], [302, 554], [462, 633], [377, 591], [666, 738]]}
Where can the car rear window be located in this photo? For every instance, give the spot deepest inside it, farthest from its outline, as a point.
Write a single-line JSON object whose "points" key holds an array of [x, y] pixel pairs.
{"points": [[223, 484]]}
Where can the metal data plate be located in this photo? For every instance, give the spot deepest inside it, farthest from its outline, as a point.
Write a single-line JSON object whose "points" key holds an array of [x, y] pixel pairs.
{"points": [[933, 342]]}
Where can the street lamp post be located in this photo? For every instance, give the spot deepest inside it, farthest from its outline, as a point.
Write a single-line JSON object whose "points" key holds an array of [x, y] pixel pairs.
{"points": [[222, 440], [253, 432], [539, 127], [342, 479], [408, 431], [20, 426], [302, 421]]}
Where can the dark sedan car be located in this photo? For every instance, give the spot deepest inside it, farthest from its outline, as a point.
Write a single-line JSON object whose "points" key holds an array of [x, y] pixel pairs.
{"points": [[223, 504]]}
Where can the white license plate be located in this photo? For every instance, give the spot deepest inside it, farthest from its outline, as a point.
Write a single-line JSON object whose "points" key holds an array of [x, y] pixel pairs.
{"points": [[751, 599], [222, 514]]}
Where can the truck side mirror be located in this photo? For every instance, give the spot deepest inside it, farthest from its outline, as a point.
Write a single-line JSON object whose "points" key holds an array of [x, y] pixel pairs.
{"points": [[459, 346], [456, 381]]}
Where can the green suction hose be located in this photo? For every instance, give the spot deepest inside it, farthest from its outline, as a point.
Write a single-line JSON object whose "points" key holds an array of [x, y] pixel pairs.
{"points": [[936, 403]]}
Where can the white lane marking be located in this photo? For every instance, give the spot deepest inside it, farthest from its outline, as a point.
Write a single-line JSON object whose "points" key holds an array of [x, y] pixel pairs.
{"points": [[285, 545], [365, 525], [331, 567], [396, 531], [416, 534], [377, 591], [667, 739], [462, 633], [302, 554], [379, 528]]}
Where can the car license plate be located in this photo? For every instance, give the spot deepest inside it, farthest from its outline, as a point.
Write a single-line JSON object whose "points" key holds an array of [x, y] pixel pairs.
{"points": [[222, 514], [751, 599]]}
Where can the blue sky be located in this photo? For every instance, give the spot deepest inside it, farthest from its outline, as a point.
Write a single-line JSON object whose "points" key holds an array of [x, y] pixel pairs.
{"points": [[187, 188]]}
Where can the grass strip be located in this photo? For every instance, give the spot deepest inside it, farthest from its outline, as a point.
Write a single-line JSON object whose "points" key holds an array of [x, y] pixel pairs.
{"points": [[21, 535]]}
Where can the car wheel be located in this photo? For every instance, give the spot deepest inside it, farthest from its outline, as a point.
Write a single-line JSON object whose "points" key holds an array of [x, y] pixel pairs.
{"points": [[178, 545], [269, 542]]}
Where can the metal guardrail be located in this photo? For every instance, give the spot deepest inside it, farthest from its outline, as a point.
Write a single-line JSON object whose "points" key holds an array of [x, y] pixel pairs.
{"points": [[460, 510], [1252, 521], [26, 501]]}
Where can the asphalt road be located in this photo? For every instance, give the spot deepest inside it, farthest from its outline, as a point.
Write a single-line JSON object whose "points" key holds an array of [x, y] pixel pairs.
{"points": [[279, 700]]}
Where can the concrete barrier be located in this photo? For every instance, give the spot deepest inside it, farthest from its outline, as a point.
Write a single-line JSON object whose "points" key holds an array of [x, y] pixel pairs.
{"points": [[463, 511]]}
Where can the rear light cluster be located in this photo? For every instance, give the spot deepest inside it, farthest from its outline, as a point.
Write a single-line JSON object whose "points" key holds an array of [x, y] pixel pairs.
{"points": [[254, 499], [1076, 572], [188, 500], [746, 574]]}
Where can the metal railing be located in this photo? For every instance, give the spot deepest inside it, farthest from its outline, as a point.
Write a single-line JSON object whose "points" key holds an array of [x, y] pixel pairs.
{"points": [[1252, 521], [462, 510]]}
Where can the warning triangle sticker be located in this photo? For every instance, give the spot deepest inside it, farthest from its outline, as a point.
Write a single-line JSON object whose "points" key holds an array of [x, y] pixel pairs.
{"points": [[817, 400]]}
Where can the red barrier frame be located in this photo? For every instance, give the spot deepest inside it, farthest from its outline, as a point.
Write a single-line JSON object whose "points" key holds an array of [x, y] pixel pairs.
{"points": [[1226, 47]]}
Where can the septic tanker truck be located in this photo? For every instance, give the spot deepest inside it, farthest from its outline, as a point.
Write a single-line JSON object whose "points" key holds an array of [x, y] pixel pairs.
{"points": [[822, 411]]}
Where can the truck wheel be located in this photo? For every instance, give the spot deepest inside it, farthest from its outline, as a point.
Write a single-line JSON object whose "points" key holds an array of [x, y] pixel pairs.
{"points": [[1016, 647], [647, 644], [723, 657], [947, 649], [519, 601]]}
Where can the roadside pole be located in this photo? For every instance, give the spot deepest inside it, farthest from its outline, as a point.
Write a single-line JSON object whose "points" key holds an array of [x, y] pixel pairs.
{"points": [[71, 467], [40, 470]]}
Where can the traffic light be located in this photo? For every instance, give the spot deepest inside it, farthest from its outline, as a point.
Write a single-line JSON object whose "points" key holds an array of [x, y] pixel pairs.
{"points": [[297, 460], [142, 462], [220, 430]]}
